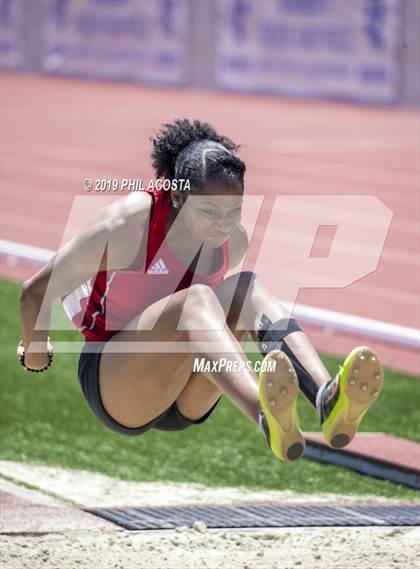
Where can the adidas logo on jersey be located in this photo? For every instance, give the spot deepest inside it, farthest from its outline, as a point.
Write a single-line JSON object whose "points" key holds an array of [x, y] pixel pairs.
{"points": [[159, 268]]}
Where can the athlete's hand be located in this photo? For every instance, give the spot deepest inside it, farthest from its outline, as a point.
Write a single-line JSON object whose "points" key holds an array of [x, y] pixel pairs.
{"points": [[34, 360]]}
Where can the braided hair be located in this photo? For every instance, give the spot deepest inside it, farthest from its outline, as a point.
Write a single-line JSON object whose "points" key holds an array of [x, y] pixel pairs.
{"points": [[194, 151]]}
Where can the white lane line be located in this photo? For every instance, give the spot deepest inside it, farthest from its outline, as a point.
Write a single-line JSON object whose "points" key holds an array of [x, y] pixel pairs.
{"points": [[35, 255], [394, 334], [402, 336]]}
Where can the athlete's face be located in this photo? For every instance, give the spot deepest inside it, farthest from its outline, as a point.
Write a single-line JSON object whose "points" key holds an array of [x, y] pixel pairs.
{"points": [[213, 215]]}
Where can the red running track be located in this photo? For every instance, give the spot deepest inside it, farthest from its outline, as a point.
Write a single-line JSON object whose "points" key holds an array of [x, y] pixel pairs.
{"points": [[57, 132]]}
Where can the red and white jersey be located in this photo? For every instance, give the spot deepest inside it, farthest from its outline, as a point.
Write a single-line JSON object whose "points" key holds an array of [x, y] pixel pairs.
{"points": [[104, 305]]}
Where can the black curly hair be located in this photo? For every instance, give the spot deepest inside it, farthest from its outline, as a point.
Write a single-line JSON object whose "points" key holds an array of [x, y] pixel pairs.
{"points": [[194, 151]]}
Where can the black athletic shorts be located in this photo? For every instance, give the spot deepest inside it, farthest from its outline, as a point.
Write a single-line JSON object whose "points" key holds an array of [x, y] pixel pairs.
{"points": [[88, 373]]}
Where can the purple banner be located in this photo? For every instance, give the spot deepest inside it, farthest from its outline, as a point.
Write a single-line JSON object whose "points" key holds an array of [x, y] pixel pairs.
{"points": [[311, 48], [12, 34], [138, 40]]}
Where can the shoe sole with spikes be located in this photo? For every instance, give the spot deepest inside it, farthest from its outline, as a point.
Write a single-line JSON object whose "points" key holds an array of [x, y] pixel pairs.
{"points": [[361, 381], [278, 400]]}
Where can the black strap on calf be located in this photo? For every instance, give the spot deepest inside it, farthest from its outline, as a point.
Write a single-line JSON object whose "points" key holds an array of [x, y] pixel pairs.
{"points": [[271, 337]]}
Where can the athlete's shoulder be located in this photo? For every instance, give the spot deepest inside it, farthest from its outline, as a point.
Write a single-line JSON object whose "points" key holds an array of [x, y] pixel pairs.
{"points": [[238, 245], [125, 222], [125, 211], [135, 204]]}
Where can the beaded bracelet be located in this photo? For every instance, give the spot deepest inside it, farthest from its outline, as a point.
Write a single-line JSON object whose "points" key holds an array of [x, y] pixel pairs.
{"points": [[22, 363]]}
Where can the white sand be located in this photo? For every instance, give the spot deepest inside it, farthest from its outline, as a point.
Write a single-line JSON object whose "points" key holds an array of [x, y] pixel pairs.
{"points": [[338, 548], [109, 547]]}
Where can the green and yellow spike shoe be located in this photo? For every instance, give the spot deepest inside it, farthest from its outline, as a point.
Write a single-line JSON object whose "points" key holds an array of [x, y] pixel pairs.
{"points": [[344, 400], [278, 407]]}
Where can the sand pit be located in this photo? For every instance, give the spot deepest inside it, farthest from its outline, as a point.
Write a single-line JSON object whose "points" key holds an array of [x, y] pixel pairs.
{"points": [[42, 531], [338, 548]]}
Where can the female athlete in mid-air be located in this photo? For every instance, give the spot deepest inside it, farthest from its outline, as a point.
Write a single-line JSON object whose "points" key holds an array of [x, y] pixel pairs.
{"points": [[160, 278]]}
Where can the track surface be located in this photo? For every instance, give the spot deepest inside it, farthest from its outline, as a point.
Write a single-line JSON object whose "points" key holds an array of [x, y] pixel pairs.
{"points": [[57, 132]]}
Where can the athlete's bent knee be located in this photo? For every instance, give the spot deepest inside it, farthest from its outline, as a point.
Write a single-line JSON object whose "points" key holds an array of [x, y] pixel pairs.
{"points": [[202, 295], [202, 308]]}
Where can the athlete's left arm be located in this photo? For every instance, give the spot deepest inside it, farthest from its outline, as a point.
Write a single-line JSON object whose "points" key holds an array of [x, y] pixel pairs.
{"points": [[238, 246]]}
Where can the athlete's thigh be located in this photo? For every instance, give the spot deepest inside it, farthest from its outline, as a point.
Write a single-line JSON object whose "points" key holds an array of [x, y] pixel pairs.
{"points": [[137, 386], [200, 393]]}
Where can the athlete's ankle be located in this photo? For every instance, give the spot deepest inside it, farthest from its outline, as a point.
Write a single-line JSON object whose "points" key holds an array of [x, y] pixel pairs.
{"points": [[271, 337], [260, 423], [318, 400], [325, 393]]}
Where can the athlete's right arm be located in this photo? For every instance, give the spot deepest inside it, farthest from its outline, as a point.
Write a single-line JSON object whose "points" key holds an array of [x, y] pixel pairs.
{"points": [[110, 240]]}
